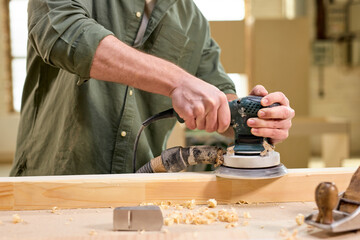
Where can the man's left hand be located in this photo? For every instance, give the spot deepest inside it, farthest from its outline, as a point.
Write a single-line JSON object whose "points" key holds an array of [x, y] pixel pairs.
{"points": [[275, 122]]}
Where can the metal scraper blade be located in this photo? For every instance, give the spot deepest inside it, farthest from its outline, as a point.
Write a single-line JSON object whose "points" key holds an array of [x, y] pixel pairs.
{"points": [[251, 173], [148, 218]]}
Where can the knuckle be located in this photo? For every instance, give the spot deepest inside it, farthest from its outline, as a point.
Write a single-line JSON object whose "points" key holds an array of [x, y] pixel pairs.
{"points": [[199, 110]]}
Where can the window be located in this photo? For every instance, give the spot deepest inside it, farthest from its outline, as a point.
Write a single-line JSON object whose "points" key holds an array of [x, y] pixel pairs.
{"points": [[222, 10], [18, 31]]}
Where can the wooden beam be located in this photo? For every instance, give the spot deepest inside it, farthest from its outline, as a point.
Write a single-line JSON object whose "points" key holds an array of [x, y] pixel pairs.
{"points": [[90, 191]]}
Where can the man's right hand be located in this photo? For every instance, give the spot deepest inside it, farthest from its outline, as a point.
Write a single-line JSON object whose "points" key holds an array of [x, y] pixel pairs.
{"points": [[201, 105]]}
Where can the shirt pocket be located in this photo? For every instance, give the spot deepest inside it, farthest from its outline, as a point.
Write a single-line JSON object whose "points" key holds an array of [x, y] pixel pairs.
{"points": [[172, 45]]}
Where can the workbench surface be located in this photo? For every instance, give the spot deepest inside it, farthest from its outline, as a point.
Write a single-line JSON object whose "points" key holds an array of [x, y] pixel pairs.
{"points": [[266, 222]]}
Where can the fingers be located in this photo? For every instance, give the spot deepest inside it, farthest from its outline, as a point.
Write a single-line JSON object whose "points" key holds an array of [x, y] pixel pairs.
{"points": [[276, 97], [223, 117], [259, 90], [279, 112], [277, 135], [272, 124], [211, 114]]}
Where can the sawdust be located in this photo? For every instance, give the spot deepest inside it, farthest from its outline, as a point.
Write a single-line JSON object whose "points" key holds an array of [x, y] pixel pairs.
{"points": [[203, 215], [55, 210], [247, 215], [285, 234], [17, 219], [190, 204], [168, 221], [212, 203], [300, 219], [231, 225], [267, 148], [93, 232]]}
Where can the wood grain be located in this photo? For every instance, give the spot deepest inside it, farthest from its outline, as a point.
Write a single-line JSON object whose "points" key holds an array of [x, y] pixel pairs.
{"points": [[90, 191]]}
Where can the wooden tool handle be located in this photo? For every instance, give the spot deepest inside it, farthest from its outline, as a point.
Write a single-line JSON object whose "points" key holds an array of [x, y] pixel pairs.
{"points": [[326, 197]]}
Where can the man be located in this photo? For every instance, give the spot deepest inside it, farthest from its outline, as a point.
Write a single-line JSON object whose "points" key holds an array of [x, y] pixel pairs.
{"points": [[140, 58]]}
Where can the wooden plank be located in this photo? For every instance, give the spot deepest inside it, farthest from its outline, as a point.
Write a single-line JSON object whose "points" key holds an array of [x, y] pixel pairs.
{"points": [[6, 196], [132, 189]]}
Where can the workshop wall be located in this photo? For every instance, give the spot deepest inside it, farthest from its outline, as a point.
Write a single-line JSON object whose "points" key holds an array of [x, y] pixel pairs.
{"points": [[341, 85], [341, 99]]}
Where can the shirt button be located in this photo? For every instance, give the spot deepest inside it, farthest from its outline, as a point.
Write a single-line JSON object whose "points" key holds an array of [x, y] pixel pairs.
{"points": [[131, 92], [123, 134], [138, 14]]}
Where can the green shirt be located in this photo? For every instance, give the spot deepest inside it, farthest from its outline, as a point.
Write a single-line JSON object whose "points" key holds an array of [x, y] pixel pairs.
{"points": [[71, 127]]}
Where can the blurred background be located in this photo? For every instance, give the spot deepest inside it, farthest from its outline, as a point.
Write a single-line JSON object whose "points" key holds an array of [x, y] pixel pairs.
{"points": [[308, 49]]}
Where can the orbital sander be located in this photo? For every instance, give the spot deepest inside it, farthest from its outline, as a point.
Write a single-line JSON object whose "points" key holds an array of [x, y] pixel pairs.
{"points": [[250, 157]]}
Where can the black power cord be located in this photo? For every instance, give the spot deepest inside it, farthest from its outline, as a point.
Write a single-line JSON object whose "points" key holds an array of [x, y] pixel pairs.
{"points": [[170, 113]]}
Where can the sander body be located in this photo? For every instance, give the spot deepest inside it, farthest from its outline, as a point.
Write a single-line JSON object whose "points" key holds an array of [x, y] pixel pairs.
{"points": [[251, 156]]}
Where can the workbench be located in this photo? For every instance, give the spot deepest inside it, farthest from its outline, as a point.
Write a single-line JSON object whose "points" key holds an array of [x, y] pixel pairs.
{"points": [[81, 207], [268, 221]]}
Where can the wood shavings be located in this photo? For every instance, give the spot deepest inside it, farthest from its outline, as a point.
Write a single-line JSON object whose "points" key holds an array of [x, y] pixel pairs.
{"points": [[230, 150], [176, 216], [242, 202], [146, 204], [212, 203], [247, 215], [168, 221], [283, 232], [1, 222], [17, 219], [190, 204], [282, 207], [300, 219], [198, 219], [178, 207], [92, 232], [55, 210], [267, 148], [228, 216], [231, 225], [245, 223], [142, 231], [293, 236], [164, 230]]}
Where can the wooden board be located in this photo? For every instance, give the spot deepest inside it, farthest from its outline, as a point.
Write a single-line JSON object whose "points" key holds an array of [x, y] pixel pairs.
{"points": [[93, 191]]}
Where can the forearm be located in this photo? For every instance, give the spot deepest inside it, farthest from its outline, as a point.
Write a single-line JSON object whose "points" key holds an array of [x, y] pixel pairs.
{"points": [[114, 61]]}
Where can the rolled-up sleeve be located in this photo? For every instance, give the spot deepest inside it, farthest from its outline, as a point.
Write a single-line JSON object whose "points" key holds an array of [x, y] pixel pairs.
{"points": [[64, 35], [211, 69]]}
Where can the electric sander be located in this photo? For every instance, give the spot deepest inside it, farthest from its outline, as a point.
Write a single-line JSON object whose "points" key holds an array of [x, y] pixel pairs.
{"points": [[250, 157]]}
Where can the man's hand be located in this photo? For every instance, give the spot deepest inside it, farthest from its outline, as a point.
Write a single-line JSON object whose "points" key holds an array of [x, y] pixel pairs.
{"points": [[201, 105], [274, 122]]}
